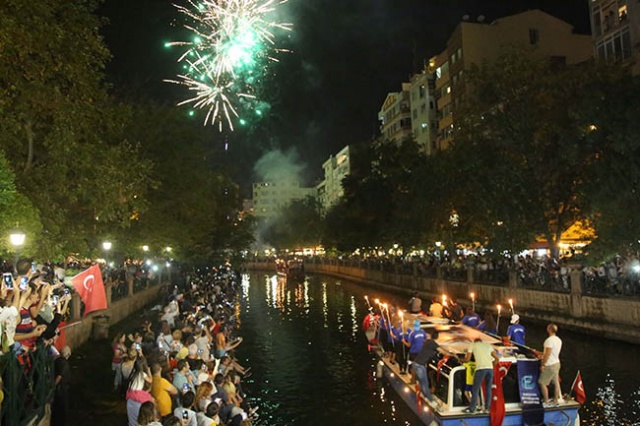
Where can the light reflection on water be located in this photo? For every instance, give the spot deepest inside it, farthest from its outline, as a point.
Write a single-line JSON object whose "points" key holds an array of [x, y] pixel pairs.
{"points": [[310, 363]]}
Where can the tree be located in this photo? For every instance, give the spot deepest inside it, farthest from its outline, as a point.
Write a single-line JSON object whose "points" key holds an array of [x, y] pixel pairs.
{"points": [[520, 148], [611, 122], [61, 132], [15, 209], [299, 225]]}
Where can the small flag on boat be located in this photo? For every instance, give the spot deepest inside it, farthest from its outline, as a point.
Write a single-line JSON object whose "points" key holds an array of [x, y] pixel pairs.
{"points": [[578, 389]]}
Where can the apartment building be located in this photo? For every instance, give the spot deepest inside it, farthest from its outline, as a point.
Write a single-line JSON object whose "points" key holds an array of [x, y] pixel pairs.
{"points": [[422, 103], [475, 42], [336, 168], [615, 26], [269, 198], [395, 116]]}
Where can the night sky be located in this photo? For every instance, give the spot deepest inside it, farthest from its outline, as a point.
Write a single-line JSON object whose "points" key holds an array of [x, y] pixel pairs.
{"points": [[347, 55]]}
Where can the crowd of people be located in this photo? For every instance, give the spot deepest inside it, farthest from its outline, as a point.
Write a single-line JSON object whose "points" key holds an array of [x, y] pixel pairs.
{"points": [[179, 368], [33, 303]]}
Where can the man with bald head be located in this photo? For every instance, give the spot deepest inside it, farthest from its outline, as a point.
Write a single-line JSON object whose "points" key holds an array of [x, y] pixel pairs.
{"points": [[550, 367]]}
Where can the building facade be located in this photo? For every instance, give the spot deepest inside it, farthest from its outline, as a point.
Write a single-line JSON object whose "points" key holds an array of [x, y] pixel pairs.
{"points": [[615, 25], [395, 116], [475, 42], [269, 198], [423, 110], [336, 168]]}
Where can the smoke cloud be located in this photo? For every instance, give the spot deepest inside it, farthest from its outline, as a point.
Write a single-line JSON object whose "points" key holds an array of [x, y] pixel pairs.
{"points": [[280, 166]]}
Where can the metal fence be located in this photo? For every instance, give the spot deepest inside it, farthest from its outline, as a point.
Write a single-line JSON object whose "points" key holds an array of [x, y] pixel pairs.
{"points": [[28, 381]]}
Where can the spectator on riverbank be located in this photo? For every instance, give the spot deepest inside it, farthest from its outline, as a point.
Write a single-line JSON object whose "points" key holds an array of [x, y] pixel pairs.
{"points": [[62, 374], [147, 415], [119, 353], [185, 410], [162, 390]]}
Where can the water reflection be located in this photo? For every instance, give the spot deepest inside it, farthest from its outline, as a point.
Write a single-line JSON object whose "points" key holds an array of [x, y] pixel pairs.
{"points": [[311, 367]]}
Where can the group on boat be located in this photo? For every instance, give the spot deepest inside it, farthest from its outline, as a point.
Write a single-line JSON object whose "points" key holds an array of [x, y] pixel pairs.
{"points": [[439, 360], [292, 269]]}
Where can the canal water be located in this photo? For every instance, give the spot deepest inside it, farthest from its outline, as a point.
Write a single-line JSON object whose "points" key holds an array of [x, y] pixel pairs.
{"points": [[310, 363]]}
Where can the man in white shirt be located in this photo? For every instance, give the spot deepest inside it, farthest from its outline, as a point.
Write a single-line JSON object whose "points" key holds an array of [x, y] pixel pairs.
{"points": [[550, 367]]}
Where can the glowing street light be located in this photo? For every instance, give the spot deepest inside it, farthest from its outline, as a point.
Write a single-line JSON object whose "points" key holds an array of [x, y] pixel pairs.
{"points": [[145, 248], [106, 245], [17, 237]]}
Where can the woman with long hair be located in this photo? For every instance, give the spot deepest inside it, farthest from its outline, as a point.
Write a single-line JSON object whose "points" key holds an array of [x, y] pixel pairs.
{"points": [[488, 325], [147, 415], [203, 396], [119, 353]]}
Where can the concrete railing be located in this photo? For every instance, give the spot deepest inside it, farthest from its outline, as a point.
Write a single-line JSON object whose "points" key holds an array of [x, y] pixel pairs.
{"points": [[609, 317], [80, 328]]}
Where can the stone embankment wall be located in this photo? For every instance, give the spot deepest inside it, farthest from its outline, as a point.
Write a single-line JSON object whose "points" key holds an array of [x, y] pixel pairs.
{"points": [[80, 329], [610, 317]]}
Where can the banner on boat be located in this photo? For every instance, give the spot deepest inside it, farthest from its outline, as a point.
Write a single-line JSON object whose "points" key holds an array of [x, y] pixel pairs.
{"points": [[532, 411]]}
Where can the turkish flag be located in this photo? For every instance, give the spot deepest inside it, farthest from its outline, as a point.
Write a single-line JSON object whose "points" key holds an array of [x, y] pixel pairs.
{"points": [[578, 389], [497, 410], [90, 287]]}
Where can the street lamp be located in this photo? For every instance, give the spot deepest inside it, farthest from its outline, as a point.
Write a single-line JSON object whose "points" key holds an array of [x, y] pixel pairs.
{"points": [[106, 245], [145, 248], [17, 237]]}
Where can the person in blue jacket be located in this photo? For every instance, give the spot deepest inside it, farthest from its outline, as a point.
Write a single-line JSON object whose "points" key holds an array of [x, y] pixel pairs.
{"points": [[516, 331]]}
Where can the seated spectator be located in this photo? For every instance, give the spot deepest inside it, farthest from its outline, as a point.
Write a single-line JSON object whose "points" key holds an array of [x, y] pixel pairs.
{"points": [[203, 396], [185, 411], [193, 358], [147, 415], [210, 416], [183, 378]]}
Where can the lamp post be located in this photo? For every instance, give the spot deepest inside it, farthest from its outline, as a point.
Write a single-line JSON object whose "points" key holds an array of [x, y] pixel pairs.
{"points": [[17, 237], [106, 245]]}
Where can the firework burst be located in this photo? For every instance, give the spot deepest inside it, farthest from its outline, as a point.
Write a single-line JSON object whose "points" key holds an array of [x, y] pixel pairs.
{"points": [[233, 40]]}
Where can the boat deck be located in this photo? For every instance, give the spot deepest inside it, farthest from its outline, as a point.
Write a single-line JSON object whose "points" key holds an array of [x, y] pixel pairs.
{"points": [[456, 339]]}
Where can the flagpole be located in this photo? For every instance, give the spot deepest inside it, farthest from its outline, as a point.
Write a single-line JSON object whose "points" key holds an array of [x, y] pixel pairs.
{"points": [[575, 380]]}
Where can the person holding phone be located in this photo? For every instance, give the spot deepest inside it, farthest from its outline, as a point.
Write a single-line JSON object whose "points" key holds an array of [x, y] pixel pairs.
{"points": [[27, 332], [9, 314], [185, 411]]}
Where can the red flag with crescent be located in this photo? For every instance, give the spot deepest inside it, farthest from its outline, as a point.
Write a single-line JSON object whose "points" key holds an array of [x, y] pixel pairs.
{"points": [[442, 362], [90, 287], [578, 389], [497, 410]]}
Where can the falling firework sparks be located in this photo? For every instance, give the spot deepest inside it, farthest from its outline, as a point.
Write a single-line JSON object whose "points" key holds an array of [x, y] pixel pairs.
{"points": [[227, 55]]}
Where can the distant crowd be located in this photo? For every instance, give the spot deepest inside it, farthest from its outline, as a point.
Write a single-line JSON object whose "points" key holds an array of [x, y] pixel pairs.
{"points": [[179, 368]]}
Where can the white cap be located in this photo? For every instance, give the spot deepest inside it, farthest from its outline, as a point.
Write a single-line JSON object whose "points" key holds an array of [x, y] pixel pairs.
{"points": [[515, 318]]}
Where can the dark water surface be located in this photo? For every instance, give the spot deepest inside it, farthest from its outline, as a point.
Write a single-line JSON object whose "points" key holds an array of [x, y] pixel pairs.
{"points": [[311, 366]]}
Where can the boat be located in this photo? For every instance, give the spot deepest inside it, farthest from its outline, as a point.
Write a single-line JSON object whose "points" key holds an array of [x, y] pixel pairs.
{"points": [[448, 376], [292, 270]]}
